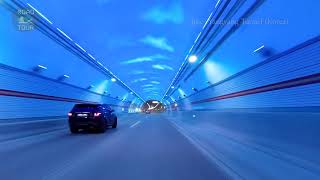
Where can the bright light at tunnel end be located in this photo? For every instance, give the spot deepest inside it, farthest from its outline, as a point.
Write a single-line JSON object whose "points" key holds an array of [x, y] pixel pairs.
{"points": [[193, 59]]}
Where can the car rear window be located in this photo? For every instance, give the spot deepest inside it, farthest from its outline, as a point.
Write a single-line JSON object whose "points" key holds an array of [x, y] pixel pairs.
{"points": [[80, 106], [107, 107]]}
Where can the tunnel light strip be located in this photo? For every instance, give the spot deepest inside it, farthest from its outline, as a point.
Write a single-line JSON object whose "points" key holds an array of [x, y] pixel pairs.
{"points": [[40, 14], [197, 38], [99, 64], [175, 77], [217, 4], [207, 21], [199, 35], [117, 79], [66, 76], [258, 49], [64, 34], [42, 67], [190, 50], [92, 57], [80, 47]]}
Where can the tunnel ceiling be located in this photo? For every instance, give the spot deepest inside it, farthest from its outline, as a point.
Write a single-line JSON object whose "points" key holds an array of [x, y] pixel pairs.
{"points": [[144, 42]]}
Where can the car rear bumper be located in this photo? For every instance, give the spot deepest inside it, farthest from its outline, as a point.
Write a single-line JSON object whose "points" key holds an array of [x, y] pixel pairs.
{"points": [[86, 122]]}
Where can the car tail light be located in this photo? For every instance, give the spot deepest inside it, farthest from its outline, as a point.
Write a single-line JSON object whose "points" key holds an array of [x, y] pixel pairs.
{"points": [[69, 114], [97, 114]]}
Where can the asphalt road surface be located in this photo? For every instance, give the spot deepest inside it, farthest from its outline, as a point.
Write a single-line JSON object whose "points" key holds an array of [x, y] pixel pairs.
{"points": [[143, 147]]}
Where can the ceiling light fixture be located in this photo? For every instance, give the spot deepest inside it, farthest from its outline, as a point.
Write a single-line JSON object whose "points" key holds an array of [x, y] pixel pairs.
{"points": [[42, 67], [258, 49], [193, 59]]}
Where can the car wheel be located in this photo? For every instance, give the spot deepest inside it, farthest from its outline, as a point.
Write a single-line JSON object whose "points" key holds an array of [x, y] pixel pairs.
{"points": [[115, 123], [73, 130]]}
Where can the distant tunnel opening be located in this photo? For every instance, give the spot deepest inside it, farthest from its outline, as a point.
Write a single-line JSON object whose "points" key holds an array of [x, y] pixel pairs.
{"points": [[154, 106]]}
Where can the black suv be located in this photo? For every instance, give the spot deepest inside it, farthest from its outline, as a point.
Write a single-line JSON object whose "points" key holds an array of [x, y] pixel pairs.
{"points": [[98, 116]]}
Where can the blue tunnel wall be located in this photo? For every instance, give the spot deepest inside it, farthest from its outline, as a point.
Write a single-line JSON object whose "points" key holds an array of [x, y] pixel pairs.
{"points": [[29, 95], [289, 79], [265, 117]]}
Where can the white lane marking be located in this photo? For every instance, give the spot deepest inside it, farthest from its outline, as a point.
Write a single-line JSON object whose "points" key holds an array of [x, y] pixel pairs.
{"points": [[30, 122], [135, 124]]}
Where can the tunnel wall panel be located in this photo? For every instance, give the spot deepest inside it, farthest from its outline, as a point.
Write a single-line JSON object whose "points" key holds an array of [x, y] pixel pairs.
{"points": [[299, 62], [14, 107], [12, 79], [292, 97]]}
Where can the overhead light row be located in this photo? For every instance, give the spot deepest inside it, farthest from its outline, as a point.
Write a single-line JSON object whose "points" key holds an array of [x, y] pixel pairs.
{"points": [[39, 68], [191, 58], [98, 64]]}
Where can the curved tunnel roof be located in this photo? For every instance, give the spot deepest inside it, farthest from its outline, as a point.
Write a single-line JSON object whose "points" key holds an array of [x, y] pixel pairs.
{"points": [[143, 43]]}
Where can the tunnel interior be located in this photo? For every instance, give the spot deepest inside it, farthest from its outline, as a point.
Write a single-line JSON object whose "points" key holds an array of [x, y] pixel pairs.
{"points": [[154, 106], [210, 89]]}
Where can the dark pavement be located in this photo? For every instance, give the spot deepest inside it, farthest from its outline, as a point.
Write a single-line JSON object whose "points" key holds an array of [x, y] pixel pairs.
{"points": [[143, 147]]}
